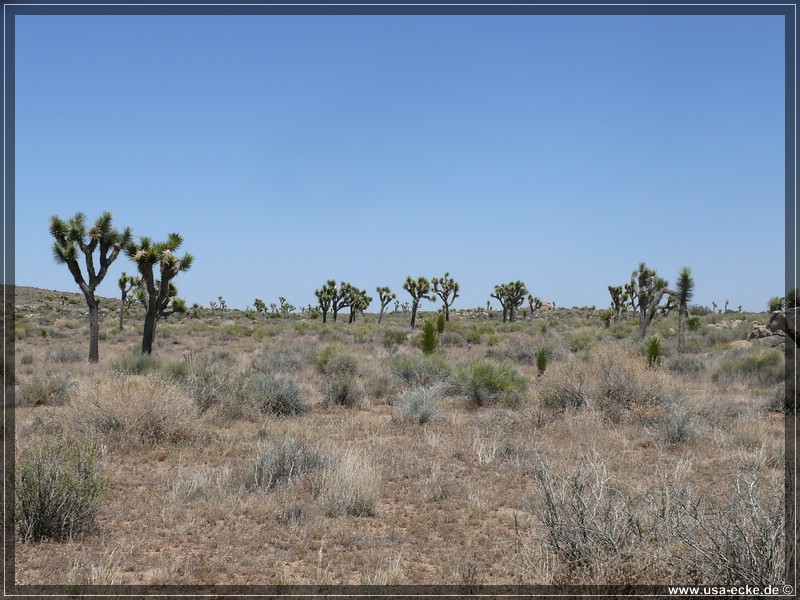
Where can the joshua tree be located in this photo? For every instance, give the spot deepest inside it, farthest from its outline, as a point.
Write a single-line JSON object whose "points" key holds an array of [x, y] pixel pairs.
{"points": [[534, 304], [385, 296], [72, 237], [684, 290], [259, 305], [358, 301], [511, 296], [157, 295], [646, 291], [285, 308], [127, 283], [419, 289], [325, 297], [447, 289], [619, 300]]}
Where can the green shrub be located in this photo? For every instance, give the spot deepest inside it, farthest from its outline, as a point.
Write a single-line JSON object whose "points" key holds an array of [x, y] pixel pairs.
{"points": [[277, 395], [342, 390], [394, 337], [429, 339], [279, 465], [58, 490], [685, 363], [490, 381], [440, 323], [693, 323], [452, 338], [764, 367], [421, 370], [334, 361]]}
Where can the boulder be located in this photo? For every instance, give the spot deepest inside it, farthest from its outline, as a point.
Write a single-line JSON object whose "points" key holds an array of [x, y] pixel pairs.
{"points": [[785, 323]]}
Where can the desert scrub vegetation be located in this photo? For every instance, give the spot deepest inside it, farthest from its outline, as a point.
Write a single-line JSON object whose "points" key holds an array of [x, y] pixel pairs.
{"points": [[51, 389], [421, 369], [281, 464], [762, 368], [334, 360], [277, 395], [419, 404], [350, 485], [600, 530], [611, 379], [489, 381], [58, 490], [342, 389], [134, 410]]}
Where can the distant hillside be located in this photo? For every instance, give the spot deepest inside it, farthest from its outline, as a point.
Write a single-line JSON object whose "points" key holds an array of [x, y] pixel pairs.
{"points": [[32, 296]]}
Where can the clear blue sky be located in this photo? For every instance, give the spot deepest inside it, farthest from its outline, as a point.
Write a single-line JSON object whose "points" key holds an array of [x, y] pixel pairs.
{"points": [[559, 150]]}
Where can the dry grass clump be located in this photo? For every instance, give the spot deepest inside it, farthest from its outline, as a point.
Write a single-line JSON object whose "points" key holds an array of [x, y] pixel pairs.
{"points": [[419, 404], [276, 395], [600, 531], [351, 485], [421, 369], [287, 359], [54, 389], [342, 389], [763, 367], [134, 410], [280, 464]]}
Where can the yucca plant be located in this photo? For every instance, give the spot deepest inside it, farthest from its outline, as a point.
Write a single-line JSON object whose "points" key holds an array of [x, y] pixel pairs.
{"points": [[71, 238], [385, 295], [655, 352], [541, 360], [684, 290]]}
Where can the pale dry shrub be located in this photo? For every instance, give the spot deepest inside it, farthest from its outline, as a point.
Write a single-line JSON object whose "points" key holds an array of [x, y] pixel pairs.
{"points": [[280, 464], [565, 385], [351, 485], [54, 389], [419, 403], [134, 410], [622, 380]]}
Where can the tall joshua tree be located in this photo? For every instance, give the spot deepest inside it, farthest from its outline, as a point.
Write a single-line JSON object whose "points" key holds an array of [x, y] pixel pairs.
{"points": [[158, 295], [419, 289], [385, 295], [684, 291], [358, 301], [70, 239], [447, 289], [511, 296], [646, 291], [126, 283], [325, 297]]}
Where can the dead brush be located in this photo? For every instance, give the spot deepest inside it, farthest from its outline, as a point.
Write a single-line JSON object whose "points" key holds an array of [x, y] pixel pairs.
{"points": [[138, 410]]}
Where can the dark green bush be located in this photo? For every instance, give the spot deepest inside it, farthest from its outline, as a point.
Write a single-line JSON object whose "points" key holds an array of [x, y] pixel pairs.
{"points": [[394, 337], [429, 339], [334, 361], [58, 490]]}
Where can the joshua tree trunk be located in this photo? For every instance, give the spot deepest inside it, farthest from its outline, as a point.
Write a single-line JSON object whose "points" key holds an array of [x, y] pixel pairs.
{"points": [[681, 330], [121, 311], [94, 327], [150, 321], [380, 315], [414, 313]]}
